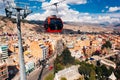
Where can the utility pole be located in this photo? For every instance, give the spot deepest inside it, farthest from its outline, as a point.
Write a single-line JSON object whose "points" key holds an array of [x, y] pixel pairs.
{"points": [[21, 56]]}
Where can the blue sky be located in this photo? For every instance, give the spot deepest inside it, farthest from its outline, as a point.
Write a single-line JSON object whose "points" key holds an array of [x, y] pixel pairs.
{"points": [[93, 11]]}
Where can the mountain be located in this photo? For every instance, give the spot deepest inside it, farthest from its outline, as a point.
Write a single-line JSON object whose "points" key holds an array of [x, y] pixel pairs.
{"points": [[8, 25]]}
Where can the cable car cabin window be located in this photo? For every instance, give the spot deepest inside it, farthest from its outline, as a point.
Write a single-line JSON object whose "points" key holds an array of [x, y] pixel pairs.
{"points": [[55, 24], [46, 24]]}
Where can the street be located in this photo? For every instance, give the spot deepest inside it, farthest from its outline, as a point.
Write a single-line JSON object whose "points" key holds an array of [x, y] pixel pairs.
{"points": [[40, 73]]}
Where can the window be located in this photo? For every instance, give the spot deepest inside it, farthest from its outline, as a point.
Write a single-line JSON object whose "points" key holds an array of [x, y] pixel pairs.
{"points": [[56, 24]]}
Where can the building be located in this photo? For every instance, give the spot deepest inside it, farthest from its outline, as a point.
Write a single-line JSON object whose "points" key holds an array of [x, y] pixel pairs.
{"points": [[3, 71], [45, 51], [70, 44], [3, 52], [35, 50], [108, 63], [70, 73], [112, 77], [77, 54]]}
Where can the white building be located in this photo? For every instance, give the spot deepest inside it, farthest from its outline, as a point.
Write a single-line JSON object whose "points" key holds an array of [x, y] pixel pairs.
{"points": [[44, 51], [77, 54], [70, 73], [112, 77], [3, 52]]}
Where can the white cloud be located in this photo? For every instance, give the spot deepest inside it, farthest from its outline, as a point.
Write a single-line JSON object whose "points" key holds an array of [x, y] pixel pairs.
{"points": [[106, 7], [81, 17], [104, 17], [38, 0], [63, 9], [68, 14], [5, 4], [113, 9], [44, 4], [76, 1], [36, 16]]}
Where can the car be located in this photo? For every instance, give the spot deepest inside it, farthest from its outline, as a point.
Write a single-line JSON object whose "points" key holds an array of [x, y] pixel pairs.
{"points": [[50, 67], [47, 65]]}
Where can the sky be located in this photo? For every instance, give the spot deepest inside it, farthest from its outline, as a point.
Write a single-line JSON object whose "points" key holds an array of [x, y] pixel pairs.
{"points": [[91, 11]]}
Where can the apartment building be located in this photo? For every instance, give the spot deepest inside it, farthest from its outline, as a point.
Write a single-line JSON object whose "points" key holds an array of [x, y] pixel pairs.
{"points": [[3, 71], [45, 51], [3, 52], [39, 50]]}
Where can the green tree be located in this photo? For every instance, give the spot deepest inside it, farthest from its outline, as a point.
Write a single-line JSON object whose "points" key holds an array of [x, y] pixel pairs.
{"points": [[107, 44], [63, 60], [58, 67], [98, 71], [50, 77], [86, 69], [76, 62], [81, 78], [92, 75], [67, 58], [106, 72], [117, 72], [63, 78]]}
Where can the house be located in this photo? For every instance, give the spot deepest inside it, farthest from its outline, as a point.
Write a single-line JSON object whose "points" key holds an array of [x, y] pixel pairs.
{"points": [[3, 52], [3, 71], [77, 54]]}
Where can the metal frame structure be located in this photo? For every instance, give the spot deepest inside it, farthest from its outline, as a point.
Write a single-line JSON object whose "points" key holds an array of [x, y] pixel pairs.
{"points": [[21, 56], [9, 13]]}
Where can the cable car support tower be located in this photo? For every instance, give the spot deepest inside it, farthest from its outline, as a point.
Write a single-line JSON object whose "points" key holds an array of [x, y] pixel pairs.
{"points": [[9, 13]]}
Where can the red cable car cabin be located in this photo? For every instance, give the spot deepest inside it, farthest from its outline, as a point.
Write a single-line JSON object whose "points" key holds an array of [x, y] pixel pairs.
{"points": [[53, 24]]}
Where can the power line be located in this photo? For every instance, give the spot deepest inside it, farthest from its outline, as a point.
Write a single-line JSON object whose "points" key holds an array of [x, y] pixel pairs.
{"points": [[55, 4]]}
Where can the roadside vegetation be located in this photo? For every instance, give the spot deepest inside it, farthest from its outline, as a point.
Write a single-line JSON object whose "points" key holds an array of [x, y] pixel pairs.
{"points": [[63, 78], [50, 76], [63, 60]]}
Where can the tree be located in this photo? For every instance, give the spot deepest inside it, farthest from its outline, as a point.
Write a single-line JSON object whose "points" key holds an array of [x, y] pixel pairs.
{"points": [[76, 62], [63, 60], [106, 72], [63, 78], [58, 67], [81, 78], [117, 72], [92, 75], [107, 44], [86, 69], [67, 58], [50, 77], [98, 71], [97, 52]]}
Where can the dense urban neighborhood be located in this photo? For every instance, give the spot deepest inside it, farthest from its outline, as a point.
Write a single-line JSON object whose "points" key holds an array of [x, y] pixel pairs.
{"points": [[74, 54]]}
